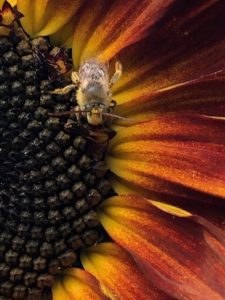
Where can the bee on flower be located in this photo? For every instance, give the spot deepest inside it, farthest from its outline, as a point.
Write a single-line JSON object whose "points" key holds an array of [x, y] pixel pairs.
{"points": [[94, 97]]}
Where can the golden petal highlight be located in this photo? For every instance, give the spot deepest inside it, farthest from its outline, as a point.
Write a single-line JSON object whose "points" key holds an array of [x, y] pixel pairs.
{"points": [[45, 17], [77, 284], [118, 273]]}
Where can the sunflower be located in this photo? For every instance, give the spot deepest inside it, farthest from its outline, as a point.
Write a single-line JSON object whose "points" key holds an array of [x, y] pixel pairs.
{"points": [[141, 214]]}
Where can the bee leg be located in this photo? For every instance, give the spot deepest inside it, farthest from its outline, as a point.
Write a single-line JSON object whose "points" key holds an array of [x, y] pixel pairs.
{"points": [[77, 113], [117, 74], [112, 105], [64, 90], [61, 114], [75, 78]]}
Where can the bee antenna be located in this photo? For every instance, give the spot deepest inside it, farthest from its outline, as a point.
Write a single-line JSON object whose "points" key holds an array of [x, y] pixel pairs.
{"points": [[116, 116]]}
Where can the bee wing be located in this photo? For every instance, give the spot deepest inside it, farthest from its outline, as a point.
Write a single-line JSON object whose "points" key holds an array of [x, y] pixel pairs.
{"points": [[93, 69]]}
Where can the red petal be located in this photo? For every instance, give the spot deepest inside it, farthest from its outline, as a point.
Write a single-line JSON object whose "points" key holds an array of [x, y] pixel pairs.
{"points": [[171, 155], [105, 27], [118, 273], [213, 213], [204, 96], [184, 48], [182, 254]]}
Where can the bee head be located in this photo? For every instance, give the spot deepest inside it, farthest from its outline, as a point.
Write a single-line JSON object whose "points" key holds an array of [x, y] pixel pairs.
{"points": [[95, 115]]}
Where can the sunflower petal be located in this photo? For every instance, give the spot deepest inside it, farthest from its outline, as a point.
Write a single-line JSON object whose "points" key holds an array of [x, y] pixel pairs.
{"points": [[181, 254], [12, 2], [77, 284], [105, 27], [193, 39], [7, 14], [45, 17], [59, 292], [214, 213], [118, 273], [173, 154], [64, 36], [204, 96]]}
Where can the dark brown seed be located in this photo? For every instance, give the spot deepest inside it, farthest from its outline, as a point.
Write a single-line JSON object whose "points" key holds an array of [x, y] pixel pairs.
{"points": [[74, 172], [71, 154], [66, 197], [11, 257], [75, 242], [19, 292], [84, 163], [6, 288], [90, 219], [93, 197], [4, 270], [30, 278], [62, 139], [68, 258], [79, 143], [104, 187], [54, 217], [34, 294], [69, 213], [60, 246], [32, 247], [16, 275], [45, 280], [46, 250], [54, 267], [39, 264], [51, 234], [18, 243], [25, 262], [50, 180], [78, 225], [79, 189], [90, 236], [65, 229], [81, 205]]}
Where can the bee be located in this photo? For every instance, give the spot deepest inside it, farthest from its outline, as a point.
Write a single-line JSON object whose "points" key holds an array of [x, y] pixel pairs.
{"points": [[93, 96]]}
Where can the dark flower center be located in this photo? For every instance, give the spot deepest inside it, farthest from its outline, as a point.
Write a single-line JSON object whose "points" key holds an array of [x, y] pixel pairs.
{"points": [[51, 175]]}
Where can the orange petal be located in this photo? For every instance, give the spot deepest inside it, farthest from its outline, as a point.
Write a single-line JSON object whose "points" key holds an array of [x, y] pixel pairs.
{"points": [[118, 273], [183, 255], [77, 284], [172, 154], [45, 17], [214, 213], [7, 14], [11, 2], [187, 45], [105, 27], [204, 96]]}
